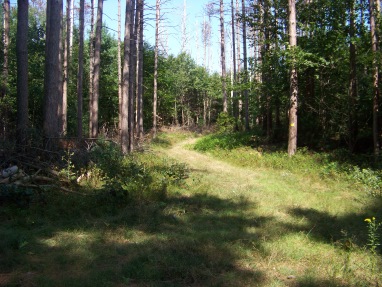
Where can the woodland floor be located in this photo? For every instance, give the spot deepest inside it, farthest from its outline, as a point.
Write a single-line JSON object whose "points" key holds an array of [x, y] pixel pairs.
{"points": [[225, 226]]}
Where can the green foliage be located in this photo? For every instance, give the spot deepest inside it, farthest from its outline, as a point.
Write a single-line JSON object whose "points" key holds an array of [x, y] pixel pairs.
{"points": [[245, 149], [225, 123], [169, 138], [225, 141], [130, 179], [373, 234], [368, 178], [68, 170]]}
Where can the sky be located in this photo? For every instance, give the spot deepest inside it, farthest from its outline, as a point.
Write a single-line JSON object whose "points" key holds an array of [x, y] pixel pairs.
{"points": [[171, 34]]}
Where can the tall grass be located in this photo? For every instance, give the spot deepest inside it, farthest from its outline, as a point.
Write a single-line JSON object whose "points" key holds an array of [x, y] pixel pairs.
{"points": [[248, 150], [246, 225]]}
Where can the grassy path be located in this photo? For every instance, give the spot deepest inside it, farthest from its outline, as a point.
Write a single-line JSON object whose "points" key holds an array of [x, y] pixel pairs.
{"points": [[224, 226], [222, 176], [295, 226]]}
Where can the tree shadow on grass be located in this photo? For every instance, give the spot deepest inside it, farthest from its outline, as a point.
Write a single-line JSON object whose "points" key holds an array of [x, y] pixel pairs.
{"points": [[185, 241], [328, 228]]}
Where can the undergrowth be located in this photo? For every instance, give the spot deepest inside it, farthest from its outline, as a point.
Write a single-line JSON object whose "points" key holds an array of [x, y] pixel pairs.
{"points": [[136, 177], [148, 220], [246, 149]]}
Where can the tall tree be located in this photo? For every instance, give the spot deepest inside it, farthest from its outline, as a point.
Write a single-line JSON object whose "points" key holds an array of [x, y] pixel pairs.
{"points": [[353, 79], [139, 16], [66, 66], [91, 66], [119, 67], [155, 100], [292, 139], [238, 60], [125, 141], [222, 57], [93, 129], [80, 74], [233, 17], [132, 80], [53, 70], [22, 70], [71, 28], [246, 100], [184, 28], [374, 46], [7, 13]]}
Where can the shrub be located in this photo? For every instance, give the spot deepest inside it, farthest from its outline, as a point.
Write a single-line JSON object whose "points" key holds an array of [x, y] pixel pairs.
{"points": [[223, 141], [225, 123], [135, 177]]}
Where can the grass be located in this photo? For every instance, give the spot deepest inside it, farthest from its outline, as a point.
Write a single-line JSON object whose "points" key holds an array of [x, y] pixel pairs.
{"points": [[230, 222]]}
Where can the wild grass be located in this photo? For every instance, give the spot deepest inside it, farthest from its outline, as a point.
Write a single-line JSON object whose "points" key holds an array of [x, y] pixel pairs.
{"points": [[249, 150], [218, 225]]}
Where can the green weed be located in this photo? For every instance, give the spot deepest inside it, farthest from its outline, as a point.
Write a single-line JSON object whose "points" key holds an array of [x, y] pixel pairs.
{"points": [[373, 238]]}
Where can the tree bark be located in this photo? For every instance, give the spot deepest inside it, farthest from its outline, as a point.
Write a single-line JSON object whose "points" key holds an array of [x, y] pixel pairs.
{"points": [[71, 28], [22, 71], [119, 70], [80, 74], [184, 28], [66, 67], [132, 80], [246, 99], [234, 100], [292, 140], [53, 71], [140, 70], [158, 2], [7, 13], [97, 73], [238, 61], [353, 126], [126, 78], [222, 57], [374, 46], [91, 65]]}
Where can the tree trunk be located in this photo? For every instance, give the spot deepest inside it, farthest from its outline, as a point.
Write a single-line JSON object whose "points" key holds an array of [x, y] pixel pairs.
{"points": [[374, 46], [71, 28], [238, 61], [292, 140], [222, 55], [353, 126], [22, 71], [119, 70], [158, 2], [97, 73], [125, 142], [7, 13], [246, 99], [140, 70], [66, 68], [132, 80], [53, 71], [184, 28], [91, 65], [176, 113], [234, 95], [80, 74]]}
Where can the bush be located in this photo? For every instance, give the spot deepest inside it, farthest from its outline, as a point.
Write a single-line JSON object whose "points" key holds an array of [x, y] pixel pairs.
{"points": [[225, 123], [223, 141], [135, 178]]}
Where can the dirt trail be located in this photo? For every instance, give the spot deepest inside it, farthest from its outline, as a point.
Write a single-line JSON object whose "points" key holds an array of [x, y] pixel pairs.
{"points": [[217, 173]]}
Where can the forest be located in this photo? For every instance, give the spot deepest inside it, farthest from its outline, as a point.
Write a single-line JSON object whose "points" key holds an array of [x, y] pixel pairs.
{"points": [[336, 59], [123, 164]]}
